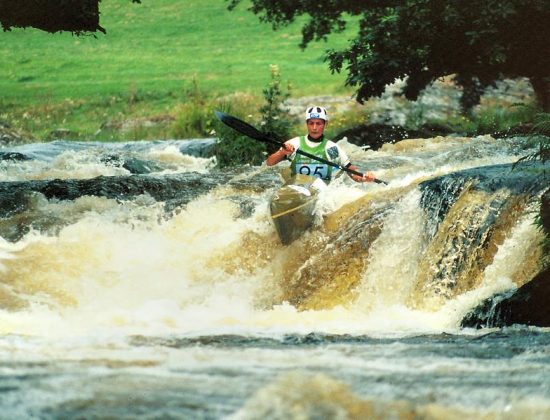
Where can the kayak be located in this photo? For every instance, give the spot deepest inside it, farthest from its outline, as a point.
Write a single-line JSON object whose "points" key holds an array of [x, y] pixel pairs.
{"points": [[292, 207]]}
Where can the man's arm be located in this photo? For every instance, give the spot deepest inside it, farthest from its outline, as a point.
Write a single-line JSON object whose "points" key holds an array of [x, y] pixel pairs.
{"points": [[344, 161], [286, 150]]}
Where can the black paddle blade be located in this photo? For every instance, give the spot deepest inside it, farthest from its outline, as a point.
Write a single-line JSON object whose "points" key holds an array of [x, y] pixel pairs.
{"points": [[244, 128]]}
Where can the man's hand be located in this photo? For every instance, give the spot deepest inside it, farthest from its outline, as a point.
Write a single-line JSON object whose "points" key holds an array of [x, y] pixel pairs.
{"points": [[287, 149], [278, 156], [367, 176]]}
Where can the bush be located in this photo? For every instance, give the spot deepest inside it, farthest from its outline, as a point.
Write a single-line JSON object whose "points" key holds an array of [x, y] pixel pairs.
{"points": [[276, 121], [540, 136], [497, 119], [236, 149], [232, 147], [194, 118]]}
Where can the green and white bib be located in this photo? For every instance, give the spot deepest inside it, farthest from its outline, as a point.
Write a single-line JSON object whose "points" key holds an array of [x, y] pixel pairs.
{"points": [[307, 166]]}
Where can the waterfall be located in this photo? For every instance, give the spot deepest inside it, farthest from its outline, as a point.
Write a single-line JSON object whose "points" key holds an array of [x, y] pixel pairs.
{"points": [[177, 242]]}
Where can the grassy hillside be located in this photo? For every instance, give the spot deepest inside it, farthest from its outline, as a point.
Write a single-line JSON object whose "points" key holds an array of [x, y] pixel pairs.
{"points": [[151, 55]]}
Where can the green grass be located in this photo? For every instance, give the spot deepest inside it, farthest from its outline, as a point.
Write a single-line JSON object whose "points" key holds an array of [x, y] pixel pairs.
{"points": [[151, 62], [152, 53]]}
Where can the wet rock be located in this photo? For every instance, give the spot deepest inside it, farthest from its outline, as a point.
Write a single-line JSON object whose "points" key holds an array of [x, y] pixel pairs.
{"points": [[181, 188], [203, 148], [518, 130], [138, 166], [133, 165], [376, 135], [528, 305], [470, 212], [439, 194], [174, 190], [13, 156], [21, 203], [522, 178]]}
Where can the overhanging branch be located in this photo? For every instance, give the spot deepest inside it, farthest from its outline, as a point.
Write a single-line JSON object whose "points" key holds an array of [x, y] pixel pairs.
{"points": [[76, 16]]}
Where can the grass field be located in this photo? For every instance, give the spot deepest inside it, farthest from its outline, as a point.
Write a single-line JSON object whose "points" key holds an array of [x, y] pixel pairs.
{"points": [[151, 55]]}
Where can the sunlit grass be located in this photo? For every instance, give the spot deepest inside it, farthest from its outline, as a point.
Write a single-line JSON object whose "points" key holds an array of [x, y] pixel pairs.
{"points": [[151, 55], [160, 46]]}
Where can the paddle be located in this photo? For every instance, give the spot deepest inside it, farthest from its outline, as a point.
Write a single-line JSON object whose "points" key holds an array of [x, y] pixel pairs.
{"points": [[248, 130]]}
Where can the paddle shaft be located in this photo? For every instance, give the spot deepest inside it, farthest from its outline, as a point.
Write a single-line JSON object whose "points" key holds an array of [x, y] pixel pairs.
{"points": [[256, 134]]}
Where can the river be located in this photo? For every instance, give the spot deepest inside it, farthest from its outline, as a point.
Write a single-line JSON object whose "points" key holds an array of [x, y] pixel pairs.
{"points": [[138, 281]]}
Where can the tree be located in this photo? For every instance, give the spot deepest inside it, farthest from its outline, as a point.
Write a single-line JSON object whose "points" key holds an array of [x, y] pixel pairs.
{"points": [[478, 41], [76, 16]]}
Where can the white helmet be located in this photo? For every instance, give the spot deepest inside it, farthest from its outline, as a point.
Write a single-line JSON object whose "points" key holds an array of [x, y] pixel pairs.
{"points": [[316, 112]]}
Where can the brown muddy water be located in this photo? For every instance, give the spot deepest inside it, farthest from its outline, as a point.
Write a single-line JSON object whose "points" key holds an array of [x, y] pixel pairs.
{"points": [[137, 281]]}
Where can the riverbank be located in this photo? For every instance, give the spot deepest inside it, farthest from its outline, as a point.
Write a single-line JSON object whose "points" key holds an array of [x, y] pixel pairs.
{"points": [[389, 118]]}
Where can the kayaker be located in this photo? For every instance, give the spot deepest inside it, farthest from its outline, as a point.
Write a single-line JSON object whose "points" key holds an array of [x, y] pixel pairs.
{"points": [[316, 144]]}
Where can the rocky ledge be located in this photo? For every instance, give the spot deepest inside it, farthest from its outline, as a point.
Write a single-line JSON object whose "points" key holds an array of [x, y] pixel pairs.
{"points": [[527, 305]]}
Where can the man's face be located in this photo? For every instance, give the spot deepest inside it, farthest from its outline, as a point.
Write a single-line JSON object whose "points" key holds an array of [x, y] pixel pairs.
{"points": [[315, 127]]}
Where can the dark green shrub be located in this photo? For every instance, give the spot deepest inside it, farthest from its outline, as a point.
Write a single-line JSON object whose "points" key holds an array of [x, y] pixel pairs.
{"points": [[495, 119], [276, 121], [235, 149], [194, 117], [540, 136]]}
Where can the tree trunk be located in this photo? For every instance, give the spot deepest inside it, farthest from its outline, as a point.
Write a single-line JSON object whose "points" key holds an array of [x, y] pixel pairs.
{"points": [[541, 86], [471, 93]]}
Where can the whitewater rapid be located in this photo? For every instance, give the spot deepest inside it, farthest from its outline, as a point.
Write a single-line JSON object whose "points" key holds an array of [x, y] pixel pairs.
{"points": [[122, 303]]}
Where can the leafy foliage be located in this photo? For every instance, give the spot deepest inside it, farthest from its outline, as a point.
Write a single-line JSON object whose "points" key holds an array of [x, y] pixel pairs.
{"points": [[236, 149], [52, 16], [76, 16], [422, 40], [543, 221], [540, 134], [541, 129], [275, 117], [194, 117]]}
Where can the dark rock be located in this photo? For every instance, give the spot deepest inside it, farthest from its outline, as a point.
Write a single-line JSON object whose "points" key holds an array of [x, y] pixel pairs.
{"points": [[174, 190], [440, 193], [464, 249], [138, 166], [15, 156], [203, 148], [527, 306], [376, 135], [518, 130], [21, 202], [181, 188], [132, 165]]}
